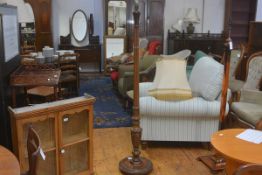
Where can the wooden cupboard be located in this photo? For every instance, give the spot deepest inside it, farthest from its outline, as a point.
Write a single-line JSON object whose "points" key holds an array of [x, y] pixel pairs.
{"points": [[238, 14], [65, 129]]}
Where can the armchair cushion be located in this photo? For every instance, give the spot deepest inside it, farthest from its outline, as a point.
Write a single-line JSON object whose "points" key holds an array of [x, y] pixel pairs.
{"points": [[254, 74], [251, 96], [195, 107], [249, 112], [206, 78]]}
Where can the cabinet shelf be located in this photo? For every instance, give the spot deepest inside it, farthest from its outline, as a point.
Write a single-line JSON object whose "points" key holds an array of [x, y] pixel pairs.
{"points": [[49, 149], [243, 23], [75, 140], [240, 11]]}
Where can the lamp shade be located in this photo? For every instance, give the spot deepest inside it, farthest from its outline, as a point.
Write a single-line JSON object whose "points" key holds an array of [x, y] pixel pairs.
{"points": [[178, 25], [170, 81], [192, 16]]}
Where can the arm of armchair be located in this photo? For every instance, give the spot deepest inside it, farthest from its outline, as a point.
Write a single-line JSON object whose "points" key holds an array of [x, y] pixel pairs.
{"points": [[251, 96], [143, 88], [145, 75]]}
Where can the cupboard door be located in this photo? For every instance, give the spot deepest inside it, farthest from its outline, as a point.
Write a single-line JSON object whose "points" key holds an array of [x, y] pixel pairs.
{"points": [[75, 158], [46, 129], [155, 18], [75, 127]]}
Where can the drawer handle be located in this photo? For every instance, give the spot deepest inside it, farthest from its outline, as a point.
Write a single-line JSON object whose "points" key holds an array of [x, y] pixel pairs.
{"points": [[62, 151]]}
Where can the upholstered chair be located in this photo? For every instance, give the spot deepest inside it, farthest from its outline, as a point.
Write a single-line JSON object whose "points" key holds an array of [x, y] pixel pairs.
{"points": [[126, 72], [248, 111], [194, 119], [235, 60]]}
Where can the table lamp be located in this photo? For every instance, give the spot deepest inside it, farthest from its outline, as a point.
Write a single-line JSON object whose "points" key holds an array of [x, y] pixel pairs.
{"points": [[191, 17]]}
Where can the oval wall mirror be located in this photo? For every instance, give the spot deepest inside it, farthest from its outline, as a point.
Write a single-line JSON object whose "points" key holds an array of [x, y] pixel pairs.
{"points": [[79, 25]]}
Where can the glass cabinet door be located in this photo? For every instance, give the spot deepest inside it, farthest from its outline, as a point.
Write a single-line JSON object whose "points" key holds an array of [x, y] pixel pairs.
{"points": [[74, 136], [45, 128]]}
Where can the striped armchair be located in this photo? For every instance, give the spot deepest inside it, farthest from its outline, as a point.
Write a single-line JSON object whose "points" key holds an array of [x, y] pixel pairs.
{"points": [[193, 120]]}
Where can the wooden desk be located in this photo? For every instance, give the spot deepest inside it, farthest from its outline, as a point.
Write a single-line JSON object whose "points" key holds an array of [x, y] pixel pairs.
{"points": [[34, 75], [8, 162], [236, 152]]}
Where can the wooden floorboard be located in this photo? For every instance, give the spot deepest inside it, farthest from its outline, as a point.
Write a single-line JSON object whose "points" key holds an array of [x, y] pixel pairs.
{"points": [[113, 144]]}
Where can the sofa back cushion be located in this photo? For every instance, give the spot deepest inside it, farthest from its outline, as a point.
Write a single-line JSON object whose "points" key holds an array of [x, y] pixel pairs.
{"points": [[206, 78], [199, 54]]}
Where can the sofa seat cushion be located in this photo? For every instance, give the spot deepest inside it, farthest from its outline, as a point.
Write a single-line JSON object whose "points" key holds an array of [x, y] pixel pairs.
{"points": [[195, 107], [248, 112]]}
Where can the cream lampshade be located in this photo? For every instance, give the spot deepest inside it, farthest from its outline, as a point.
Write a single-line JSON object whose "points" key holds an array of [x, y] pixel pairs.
{"points": [[191, 17], [170, 81], [178, 26]]}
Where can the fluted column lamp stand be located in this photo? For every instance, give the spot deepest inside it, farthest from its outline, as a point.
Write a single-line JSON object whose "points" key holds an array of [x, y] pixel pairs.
{"points": [[136, 165]]}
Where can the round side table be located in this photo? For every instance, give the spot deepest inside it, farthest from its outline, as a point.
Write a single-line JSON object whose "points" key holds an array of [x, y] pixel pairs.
{"points": [[9, 164], [236, 152]]}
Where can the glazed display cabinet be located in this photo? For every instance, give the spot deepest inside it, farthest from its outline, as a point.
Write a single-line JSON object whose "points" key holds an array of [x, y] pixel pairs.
{"points": [[65, 129]]}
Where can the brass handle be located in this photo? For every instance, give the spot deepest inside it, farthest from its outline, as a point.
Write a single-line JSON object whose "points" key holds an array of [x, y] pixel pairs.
{"points": [[65, 119], [62, 151]]}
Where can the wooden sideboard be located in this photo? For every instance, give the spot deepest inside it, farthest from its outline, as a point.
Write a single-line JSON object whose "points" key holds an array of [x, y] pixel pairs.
{"points": [[88, 54], [206, 42], [65, 129]]}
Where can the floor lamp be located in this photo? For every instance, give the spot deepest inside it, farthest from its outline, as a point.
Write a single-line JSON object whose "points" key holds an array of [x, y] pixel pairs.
{"points": [[216, 162], [136, 165]]}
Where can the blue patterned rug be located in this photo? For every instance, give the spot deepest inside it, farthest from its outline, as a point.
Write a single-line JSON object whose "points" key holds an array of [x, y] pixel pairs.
{"points": [[108, 111]]}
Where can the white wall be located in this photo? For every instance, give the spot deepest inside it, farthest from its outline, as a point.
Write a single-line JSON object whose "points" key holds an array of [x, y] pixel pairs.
{"points": [[210, 12], [259, 10], [24, 10]]}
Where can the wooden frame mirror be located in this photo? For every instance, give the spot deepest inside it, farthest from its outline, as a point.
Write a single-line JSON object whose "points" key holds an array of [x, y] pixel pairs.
{"points": [[115, 17], [79, 25], [113, 46]]}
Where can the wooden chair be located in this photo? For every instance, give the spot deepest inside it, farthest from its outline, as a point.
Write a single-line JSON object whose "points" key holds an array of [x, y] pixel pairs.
{"points": [[251, 168], [68, 63], [42, 94], [33, 149]]}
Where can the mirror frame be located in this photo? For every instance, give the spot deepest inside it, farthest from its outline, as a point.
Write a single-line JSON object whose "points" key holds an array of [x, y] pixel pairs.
{"points": [[106, 15], [105, 46], [72, 31]]}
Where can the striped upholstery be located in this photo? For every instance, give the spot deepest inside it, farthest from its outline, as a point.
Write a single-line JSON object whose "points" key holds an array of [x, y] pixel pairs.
{"points": [[195, 119]]}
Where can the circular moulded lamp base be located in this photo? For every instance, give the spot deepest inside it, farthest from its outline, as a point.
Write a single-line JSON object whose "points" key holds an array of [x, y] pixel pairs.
{"points": [[128, 167]]}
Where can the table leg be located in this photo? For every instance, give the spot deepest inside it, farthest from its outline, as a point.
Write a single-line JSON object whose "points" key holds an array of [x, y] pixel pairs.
{"points": [[233, 165]]}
